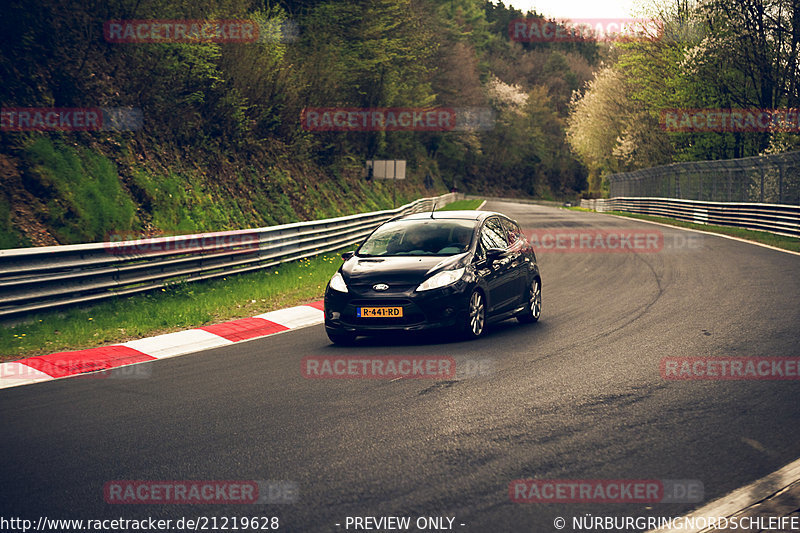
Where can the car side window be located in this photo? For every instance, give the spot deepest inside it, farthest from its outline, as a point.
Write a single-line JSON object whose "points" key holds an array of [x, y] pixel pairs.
{"points": [[512, 231], [493, 235]]}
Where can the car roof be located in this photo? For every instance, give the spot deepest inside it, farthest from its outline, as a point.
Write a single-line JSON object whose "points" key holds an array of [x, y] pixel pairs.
{"points": [[444, 215]]}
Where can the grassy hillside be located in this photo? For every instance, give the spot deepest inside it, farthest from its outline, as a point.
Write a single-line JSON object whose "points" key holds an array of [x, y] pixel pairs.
{"points": [[61, 192]]}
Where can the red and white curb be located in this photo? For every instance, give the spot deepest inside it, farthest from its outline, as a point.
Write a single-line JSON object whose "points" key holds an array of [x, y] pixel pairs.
{"points": [[66, 364]]}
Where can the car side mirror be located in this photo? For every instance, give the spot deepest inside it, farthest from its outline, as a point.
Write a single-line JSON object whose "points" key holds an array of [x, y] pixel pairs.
{"points": [[493, 254], [347, 255]]}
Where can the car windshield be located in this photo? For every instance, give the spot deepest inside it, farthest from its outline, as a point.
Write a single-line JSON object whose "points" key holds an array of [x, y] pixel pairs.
{"points": [[419, 237]]}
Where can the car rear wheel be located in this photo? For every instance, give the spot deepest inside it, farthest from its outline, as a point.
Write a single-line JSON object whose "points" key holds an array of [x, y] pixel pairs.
{"points": [[345, 339], [476, 316], [533, 308]]}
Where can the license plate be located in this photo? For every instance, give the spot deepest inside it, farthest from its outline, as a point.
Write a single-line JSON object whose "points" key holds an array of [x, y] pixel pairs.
{"points": [[380, 312]]}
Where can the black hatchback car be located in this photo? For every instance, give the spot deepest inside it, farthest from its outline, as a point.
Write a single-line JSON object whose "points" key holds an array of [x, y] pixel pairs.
{"points": [[448, 269]]}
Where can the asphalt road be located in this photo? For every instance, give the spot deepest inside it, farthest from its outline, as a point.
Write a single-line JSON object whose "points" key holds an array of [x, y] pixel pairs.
{"points": [[578, 395]]}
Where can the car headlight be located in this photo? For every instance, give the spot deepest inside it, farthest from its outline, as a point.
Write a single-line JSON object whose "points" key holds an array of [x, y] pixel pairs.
{"points": [[337, 283], [442, 279]]}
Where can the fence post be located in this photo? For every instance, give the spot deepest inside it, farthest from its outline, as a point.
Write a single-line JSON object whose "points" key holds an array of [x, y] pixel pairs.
{"points": [[730, 184], [700, 185], [714, 188]]}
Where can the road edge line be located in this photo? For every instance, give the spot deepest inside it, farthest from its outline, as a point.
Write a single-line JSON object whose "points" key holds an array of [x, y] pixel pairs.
{"points": [[731, 237]]}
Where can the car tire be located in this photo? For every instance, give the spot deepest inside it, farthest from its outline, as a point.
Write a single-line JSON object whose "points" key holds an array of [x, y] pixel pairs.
{"points": [[475, 323], [533, 306], [343, 339]]}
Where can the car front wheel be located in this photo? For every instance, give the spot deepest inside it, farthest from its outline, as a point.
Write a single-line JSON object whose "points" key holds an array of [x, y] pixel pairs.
{"points": [[476, 316]]}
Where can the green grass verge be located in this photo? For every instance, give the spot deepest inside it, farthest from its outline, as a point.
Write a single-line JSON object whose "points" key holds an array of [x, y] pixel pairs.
{"points": [[764, 237], [577, 208], [462, 204], [178, 307]]}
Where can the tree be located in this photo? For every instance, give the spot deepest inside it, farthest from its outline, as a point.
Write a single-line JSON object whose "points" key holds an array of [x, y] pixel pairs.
{"points": [[597, 121]]}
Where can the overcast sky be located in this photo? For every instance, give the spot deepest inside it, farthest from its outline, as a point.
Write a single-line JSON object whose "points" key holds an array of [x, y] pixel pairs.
{"points": [[578, 9]]}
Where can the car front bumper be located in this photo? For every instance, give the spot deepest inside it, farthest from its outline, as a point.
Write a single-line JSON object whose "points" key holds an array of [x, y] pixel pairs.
{"points": [[437, 308]]}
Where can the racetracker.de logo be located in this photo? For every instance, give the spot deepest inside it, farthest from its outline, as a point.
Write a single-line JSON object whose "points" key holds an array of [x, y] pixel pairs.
{"points": [[605, 491], [393, 367], [731, 120], [352, 119], [70, 119], [540, 30], [80, 368], [555, 240], [180, 31], [730, 368], [199, 492], [203, 243]]}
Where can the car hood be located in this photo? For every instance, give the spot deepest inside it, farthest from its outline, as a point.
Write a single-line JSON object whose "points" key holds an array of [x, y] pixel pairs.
{"points": [[397, 269]]}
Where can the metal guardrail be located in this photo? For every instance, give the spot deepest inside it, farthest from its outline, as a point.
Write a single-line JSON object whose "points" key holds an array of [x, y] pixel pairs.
{"points": [[775, 218], [35, 279], [771, 178]]}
